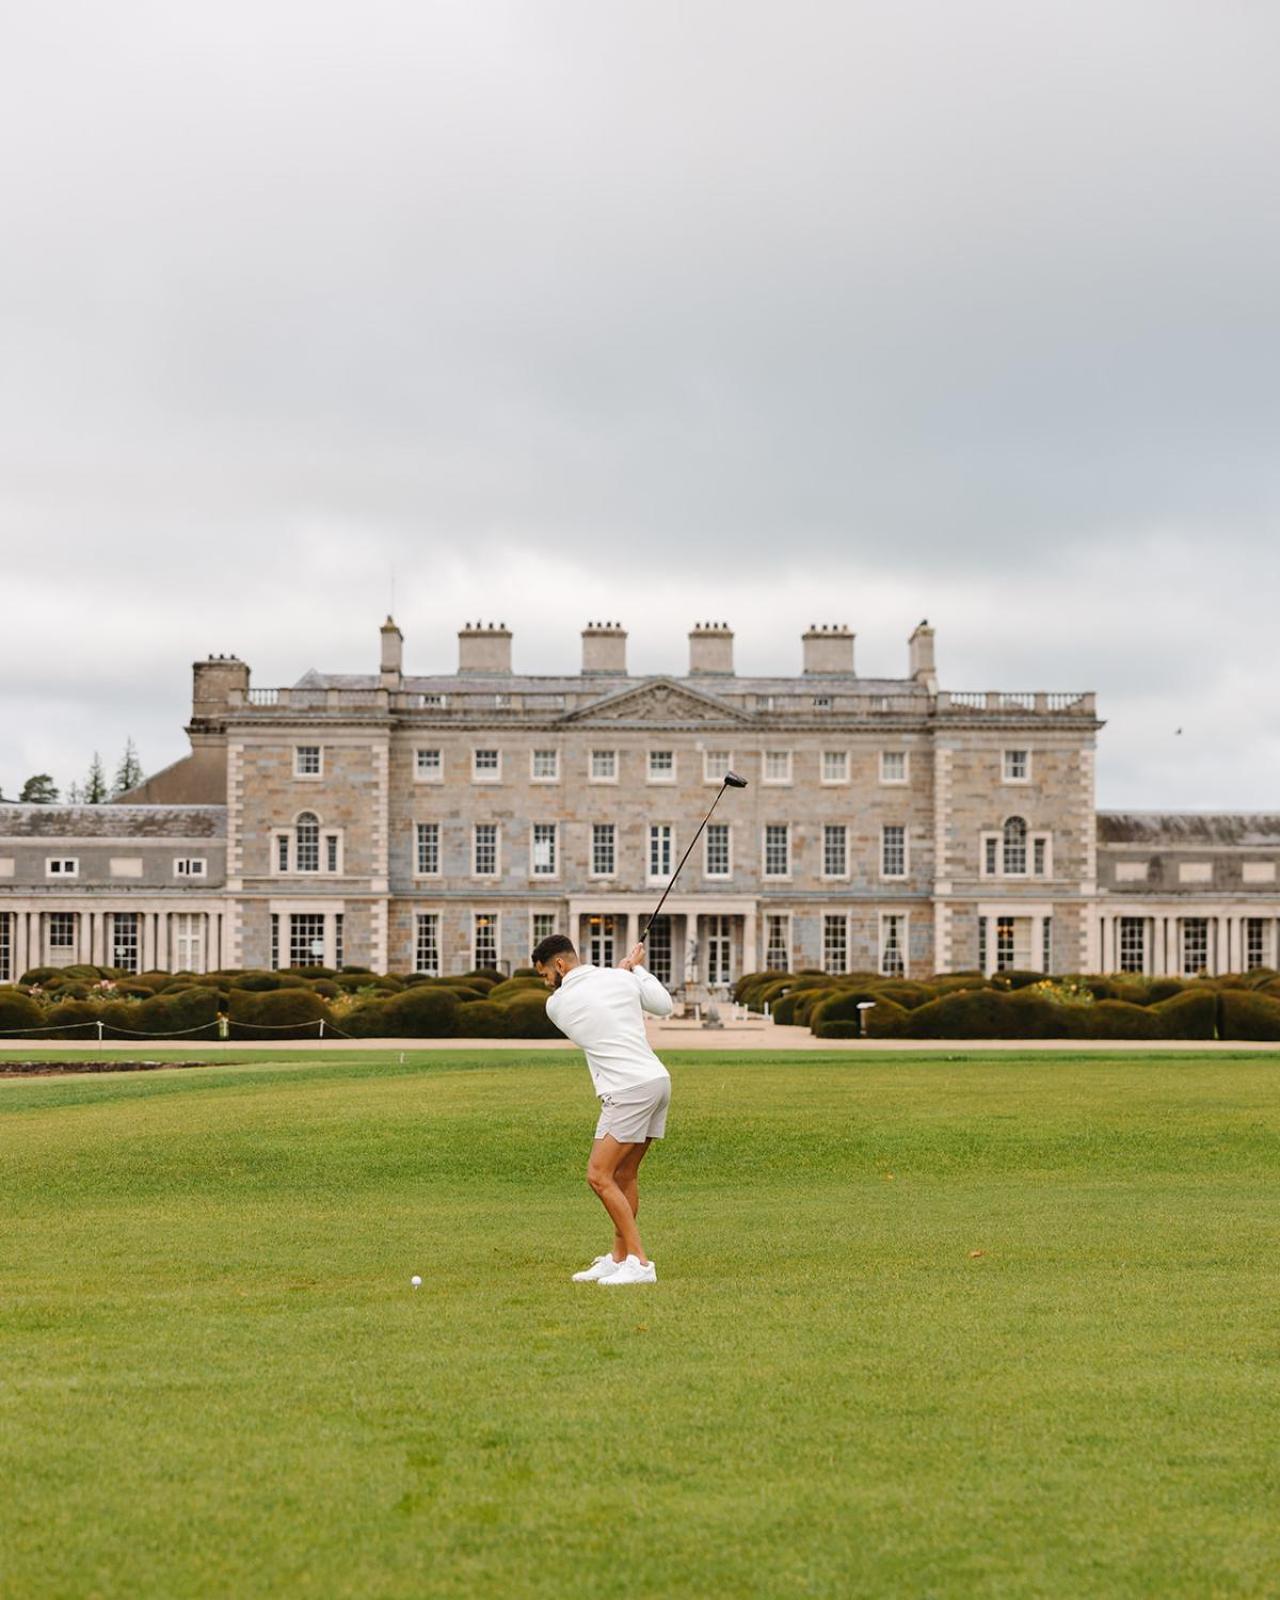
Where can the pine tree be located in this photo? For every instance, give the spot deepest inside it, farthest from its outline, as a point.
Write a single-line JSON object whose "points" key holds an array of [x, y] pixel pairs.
{"points": [[129, 773], [95, 785], [39, 790]]}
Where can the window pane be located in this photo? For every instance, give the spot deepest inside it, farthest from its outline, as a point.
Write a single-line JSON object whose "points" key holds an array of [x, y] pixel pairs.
{"points": [[602, 848], [308, 759], [604, 764], [717, 837], [427, 950], [777, 862], [777, 766], [892, 938], [662, 763], [660, 850], [486, 940], [835, 766], [546, 763], [835, 944], [894, 851], [1016, 765], [306, 939], [428, 847], [429, 764], [893, 766], [776, 957], [486, 849], [835, 850], [544, 848], [307, 856], [1015, 847]]}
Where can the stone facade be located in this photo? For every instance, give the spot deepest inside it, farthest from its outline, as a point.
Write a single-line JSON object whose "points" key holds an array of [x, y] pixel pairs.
{"points": [[443, 822]]}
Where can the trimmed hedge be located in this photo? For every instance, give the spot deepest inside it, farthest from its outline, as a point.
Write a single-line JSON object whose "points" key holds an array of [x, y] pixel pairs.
{"points": [[290, 1013], [1247, 1014], [18, 1011]]}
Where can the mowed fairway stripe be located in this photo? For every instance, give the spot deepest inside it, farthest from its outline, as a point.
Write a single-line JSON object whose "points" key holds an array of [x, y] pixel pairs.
{"points": [[923, 1328]]}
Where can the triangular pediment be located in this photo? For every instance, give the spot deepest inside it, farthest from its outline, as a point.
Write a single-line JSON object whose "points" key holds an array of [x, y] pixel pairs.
{"points": [[660, 700]]}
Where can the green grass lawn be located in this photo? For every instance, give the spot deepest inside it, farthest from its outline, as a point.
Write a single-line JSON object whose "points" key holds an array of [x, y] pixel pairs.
{"points": [[217, 1380]]}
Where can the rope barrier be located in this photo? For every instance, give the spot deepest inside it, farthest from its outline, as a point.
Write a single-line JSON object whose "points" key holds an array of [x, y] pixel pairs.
{"points": [[103, 1028]]}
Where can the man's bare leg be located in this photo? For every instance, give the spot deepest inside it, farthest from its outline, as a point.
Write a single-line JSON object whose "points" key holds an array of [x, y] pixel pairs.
{"points": [[607, 1155], [627, 1177]]}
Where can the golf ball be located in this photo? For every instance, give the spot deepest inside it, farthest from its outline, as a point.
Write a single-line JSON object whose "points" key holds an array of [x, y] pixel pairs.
{"points": [[416, 1281]]}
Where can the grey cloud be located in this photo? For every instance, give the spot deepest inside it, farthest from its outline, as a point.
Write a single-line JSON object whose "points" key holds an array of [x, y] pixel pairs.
{"points": [[889, 309]]}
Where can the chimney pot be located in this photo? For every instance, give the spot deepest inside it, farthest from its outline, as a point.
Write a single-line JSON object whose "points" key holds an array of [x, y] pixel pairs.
{"points": [[604, 649], [484, 649]]}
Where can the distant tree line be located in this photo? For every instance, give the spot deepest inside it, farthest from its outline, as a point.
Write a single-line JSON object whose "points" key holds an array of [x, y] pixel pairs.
{"points": [[41, 790]]}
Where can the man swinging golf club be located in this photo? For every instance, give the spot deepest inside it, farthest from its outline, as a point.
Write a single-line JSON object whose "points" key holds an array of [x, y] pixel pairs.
{"points": [[602, 1011]]}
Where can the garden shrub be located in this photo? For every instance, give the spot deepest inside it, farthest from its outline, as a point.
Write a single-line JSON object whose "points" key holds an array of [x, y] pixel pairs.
{"points": [[507, 990], [1246, 1014], [288, 1013], [417, 1013], [842, 1006], [1115, 1019], [1193, 1014], [37, 975], [527, 1018], [1015, 978], [192, 1009], [70, 1018], [18, 1012], [837, 1030], [1164, 989], [886, 1020], [903, 992], [481, 1019], [806, 1001]]}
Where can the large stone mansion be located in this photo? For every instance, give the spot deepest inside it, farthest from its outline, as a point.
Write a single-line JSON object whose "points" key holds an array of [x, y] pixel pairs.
{"points": [[439, 823]]}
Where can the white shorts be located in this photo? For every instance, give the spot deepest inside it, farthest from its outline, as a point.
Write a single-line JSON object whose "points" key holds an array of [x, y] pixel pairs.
{"points": [[636, 1114]]}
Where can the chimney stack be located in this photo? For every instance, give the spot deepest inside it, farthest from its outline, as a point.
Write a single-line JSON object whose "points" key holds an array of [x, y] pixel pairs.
{"points": [[604, 649], [484, 648], [828, 650], [392, 655], [711, 650], [212, 684], [920, 646]]}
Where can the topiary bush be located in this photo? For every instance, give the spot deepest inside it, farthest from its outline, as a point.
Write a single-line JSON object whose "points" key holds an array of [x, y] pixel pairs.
{"points": [[19, 1013], [1193, 1014], [1247, 1014], [419, 1013], [527, 1018], [482, 1019], [191, 1013], [837, 1030], [289, 1013]]}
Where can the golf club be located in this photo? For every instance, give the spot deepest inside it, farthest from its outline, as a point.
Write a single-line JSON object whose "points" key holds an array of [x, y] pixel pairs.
{"points": [[731, 781]]}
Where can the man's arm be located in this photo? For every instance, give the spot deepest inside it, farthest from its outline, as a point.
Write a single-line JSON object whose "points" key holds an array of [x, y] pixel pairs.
{"points": [[653, 997]]}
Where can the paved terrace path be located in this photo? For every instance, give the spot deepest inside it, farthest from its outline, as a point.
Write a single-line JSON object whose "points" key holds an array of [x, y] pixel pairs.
{"points": [[670, 1036]]}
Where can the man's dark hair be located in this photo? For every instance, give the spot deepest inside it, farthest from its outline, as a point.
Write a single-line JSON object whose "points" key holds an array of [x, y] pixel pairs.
{"points": [[555, 944]]}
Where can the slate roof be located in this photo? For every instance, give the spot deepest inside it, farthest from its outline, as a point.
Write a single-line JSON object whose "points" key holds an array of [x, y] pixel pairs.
{"points": [[1174, 829], [112, 822]]}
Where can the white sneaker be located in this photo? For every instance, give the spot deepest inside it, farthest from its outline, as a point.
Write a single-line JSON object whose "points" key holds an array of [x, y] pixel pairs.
{"points": [[599, 1269], [632, 1270]]}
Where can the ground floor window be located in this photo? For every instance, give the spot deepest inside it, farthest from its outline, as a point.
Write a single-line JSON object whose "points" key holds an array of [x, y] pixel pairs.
{"points": [[659, 950], [1005, 957], [1195, 946], [777, 956], [188, 940], [544, 925], [601, 940], [275, 942], [893, 939], [1046, 946], [1133, 944], [719, 950], [426, 956], [6, 947], [306, 939], [485, 940], [124, 940], [62, 933], [982, 944], [835, 944], [338, 954], [1255, 949]]}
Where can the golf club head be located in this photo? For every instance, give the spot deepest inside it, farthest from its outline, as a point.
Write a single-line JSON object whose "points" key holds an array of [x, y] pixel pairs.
{"points": [[734, 781]]}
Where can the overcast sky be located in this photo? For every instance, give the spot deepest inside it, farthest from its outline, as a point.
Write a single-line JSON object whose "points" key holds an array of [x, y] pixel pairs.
{"points": [[775, 313]]}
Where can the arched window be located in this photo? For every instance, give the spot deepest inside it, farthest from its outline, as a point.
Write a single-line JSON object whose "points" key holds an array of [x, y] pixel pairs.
{"points": [[307, 848], [1015, 847]]}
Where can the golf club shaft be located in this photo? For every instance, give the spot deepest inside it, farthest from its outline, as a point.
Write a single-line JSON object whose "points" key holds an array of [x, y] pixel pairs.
{"points": [[671, 885]]}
